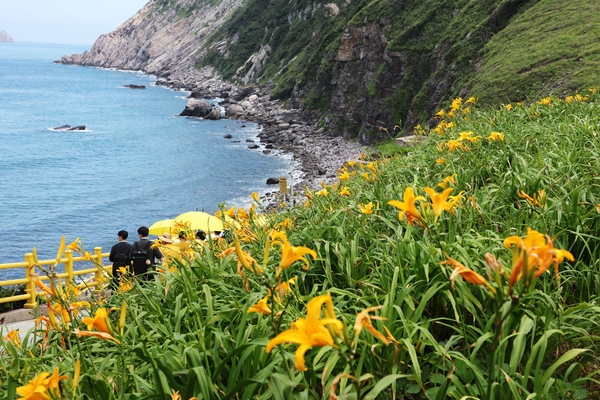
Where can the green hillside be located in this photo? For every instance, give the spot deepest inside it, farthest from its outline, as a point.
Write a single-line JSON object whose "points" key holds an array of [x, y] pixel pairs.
{"points": [[407, 58]]}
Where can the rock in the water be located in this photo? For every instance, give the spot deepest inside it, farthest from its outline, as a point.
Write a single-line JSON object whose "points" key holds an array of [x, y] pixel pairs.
{"points": [[253, 146], [69, 128], [196, 108], [228, 136], [132, 86], [272, 181]]}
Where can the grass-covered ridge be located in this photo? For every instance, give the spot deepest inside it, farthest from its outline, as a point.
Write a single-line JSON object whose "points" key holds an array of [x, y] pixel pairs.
{"points": [[457, 296], [551, 48]]}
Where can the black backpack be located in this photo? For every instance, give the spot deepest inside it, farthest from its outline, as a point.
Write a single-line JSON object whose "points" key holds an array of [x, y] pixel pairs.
{"points": [[139, 257], [121, 259]]}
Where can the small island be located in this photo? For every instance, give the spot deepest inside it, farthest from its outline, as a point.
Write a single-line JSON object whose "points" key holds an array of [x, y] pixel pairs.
{"points": [[5, 37]]}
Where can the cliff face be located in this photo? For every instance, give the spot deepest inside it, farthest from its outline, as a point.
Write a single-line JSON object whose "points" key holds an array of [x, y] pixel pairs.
{"points": [[352, 66], [5, 37], [161, 39]]}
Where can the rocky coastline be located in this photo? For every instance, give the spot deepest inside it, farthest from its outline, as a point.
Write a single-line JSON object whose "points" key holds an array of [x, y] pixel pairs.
{"points": [[317, 156]]}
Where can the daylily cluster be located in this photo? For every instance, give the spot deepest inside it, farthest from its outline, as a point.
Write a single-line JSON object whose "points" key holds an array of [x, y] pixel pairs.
{"points": [[241, 221], [533, 255], [457, 106], [314, 331], [577, 98], [289, 255], [496, 137], [439, 203], [62, 302], [281, 290]]}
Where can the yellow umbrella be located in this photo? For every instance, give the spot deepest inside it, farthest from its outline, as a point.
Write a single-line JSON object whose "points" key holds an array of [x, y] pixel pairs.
{"points": [[200, 220], [162, 226]]}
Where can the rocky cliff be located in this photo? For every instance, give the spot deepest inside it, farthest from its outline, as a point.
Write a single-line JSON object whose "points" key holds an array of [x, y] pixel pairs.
{"points": [[350, 66], [5, 37], [162, 39]]}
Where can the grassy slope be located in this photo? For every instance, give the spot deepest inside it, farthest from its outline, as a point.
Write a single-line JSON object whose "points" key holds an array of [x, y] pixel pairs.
{"points": [[552, 47], [190, 331]]}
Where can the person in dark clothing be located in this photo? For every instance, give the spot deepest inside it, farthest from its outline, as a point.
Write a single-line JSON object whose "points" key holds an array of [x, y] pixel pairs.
{"points": [[120, 257], [144, 255]]}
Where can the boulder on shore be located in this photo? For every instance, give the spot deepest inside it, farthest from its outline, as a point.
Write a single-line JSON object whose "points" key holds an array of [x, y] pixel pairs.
{"points": [[215, 114], [196, 108], [234, 111]]}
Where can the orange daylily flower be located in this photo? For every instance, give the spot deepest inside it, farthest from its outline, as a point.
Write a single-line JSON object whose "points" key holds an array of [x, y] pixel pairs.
{"points": [[261, 307], [408, 207], [439, 201], [14, 337], [537, 253], [99, 335], [99, 321], [496, 136], [36, 389], [467, 273], [367, 209], [344, 176], [310, 332], [363, 320], [289, 253]]}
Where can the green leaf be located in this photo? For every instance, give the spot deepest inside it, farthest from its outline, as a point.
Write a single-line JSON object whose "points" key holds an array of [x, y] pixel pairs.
{"points": [[569, 355], [519, 344], [383, 384]]}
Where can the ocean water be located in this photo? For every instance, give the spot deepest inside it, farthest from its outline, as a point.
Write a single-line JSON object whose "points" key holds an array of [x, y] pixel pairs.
{"points": [[135, 163]]}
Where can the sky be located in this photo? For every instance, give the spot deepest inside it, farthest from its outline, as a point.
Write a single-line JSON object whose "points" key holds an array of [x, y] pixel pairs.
{"points": [[64, 21]]}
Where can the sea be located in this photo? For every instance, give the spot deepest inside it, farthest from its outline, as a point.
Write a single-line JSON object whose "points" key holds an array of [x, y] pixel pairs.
{"points": [[135, 163]]}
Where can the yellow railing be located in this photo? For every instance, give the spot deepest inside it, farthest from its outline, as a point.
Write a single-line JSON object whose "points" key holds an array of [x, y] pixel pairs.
{"points": [[69, 275]]}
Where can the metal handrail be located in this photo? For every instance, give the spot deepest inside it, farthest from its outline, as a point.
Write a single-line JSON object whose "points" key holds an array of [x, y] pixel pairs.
{"points": [[68, 276]]}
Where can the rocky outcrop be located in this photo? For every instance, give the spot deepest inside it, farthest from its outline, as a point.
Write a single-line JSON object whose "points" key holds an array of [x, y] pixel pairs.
{"points": [[160, 39], [69, 128], [5, 37], [134, 86]]}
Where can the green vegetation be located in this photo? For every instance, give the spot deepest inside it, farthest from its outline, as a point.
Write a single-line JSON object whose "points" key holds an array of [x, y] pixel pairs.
{"points": [[500, 50], [461, 295], [549, 49], [10, 291]]}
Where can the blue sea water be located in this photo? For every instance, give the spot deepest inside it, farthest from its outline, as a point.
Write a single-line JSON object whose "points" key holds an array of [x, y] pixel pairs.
{"points": [[136, 163]]}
